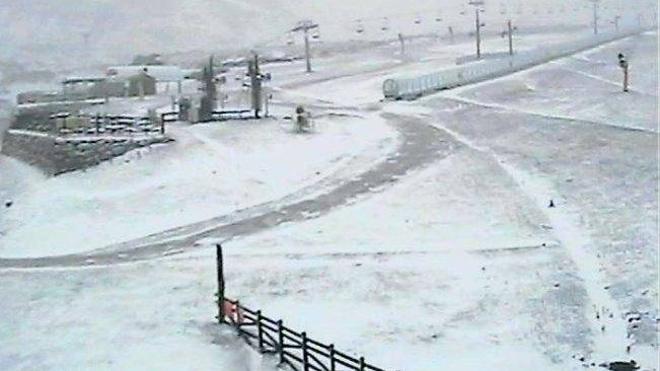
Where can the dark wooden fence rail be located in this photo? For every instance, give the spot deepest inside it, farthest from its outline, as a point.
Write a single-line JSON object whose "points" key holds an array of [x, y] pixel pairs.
{"points": [[169, 116], [224, 115], [118, 123], [270, 336]]}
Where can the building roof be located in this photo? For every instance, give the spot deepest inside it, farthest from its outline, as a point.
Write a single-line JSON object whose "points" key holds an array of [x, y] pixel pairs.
{"points": [[79, 79], [160, 73]]}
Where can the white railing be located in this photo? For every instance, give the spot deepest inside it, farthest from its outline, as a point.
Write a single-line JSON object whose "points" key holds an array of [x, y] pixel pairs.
{"points": [[417, 86]]}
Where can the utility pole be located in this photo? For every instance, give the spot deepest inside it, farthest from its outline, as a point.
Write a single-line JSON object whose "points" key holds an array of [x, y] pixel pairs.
{"points": [[595, 2], [477, 9], [510, 31], [478, 24], [209, 99], [616, 23], [305, 26], [255, 85], [308, 62]]}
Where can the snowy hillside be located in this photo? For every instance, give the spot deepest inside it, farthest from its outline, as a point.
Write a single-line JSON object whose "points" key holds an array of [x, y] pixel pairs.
{"points": [[71, 32]]}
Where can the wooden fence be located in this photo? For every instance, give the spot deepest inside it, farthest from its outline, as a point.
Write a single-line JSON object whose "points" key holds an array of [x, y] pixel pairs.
{"points": [[242, 114], [270, 336], [169, 116], [113, 124]]}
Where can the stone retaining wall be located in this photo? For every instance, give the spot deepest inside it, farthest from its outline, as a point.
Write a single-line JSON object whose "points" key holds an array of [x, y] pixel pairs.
{"points": [[59, 154]]}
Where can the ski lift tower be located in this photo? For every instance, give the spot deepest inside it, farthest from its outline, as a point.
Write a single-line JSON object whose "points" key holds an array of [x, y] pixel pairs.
{"points": [[478, 8], [304, 27]]}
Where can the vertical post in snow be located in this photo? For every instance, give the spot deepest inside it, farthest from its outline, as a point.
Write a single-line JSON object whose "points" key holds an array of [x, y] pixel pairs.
{"points": [[305, 354], [451, 34], [162, 123], [269, 96], [595, 2], [280, 336], [333, 363], [260, 331], [308, 61], [221, 283], [402, 41], [305, 26], [616, 23], [510, 37], [237, 317], [625, 78], [255, 86], [478, 24]]}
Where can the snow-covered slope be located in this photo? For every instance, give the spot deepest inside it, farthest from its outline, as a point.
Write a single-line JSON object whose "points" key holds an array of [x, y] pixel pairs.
{"points": [[72, 32]]}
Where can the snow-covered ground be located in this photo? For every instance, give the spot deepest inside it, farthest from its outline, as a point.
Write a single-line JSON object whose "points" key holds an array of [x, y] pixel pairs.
{"points": [[117, 319], [210, 170], [463, 266], [459, 265], [585, 87]]}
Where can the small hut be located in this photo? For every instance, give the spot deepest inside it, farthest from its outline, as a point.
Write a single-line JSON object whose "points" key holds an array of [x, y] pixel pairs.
{"points": [[141, 84]]}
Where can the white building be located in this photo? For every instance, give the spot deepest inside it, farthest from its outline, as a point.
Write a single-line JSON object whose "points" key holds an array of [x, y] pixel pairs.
{"points": [[164, 75]]}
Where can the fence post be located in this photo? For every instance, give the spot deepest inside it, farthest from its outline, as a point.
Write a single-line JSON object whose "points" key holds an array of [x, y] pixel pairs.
{"points": [[221, 283], [362, 366], [260, 332], [280, 335], [332, 357], [304, 352], [237, 306], [162, 123]]}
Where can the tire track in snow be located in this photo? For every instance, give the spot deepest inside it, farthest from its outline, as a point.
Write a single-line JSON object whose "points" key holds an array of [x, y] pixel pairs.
{"points": [[610, 342]]}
